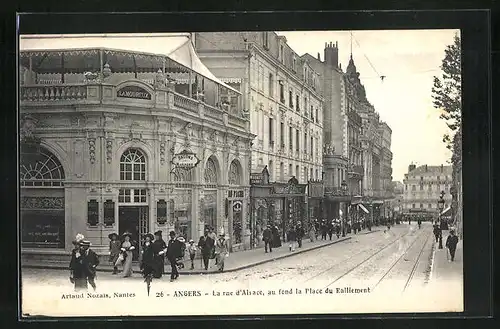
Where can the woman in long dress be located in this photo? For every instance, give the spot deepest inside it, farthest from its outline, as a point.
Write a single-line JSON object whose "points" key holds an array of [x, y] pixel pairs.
{"points": [[147, 256], [221, 251], [127, 249]]}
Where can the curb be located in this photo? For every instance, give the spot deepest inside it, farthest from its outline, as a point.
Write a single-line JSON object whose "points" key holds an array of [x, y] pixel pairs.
{"points": [[198, 272]]}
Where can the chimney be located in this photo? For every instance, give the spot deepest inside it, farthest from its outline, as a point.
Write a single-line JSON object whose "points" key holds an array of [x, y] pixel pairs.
{"points": [[411, 167], [426, 169], [331, 55]]}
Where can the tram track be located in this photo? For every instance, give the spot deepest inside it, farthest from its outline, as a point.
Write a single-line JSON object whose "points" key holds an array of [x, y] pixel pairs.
{"points": [[366, 260]]}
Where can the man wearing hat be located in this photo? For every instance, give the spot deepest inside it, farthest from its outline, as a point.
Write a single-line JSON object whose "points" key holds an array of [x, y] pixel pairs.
{"points": [[159, 248], [83, 266], [267, 236], [114, 250], [147, 256], [206, 244], [174, 250], [451, 244]]}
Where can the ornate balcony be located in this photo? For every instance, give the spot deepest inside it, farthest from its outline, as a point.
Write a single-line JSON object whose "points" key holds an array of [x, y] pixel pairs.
{"points": [[337, 194], [355, 171]]}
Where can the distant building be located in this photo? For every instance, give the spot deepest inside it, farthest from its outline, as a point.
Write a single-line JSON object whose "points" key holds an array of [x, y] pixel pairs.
{"points": [[422, 189]]}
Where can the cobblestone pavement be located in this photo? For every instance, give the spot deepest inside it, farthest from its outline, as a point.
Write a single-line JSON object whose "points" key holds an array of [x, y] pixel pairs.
{"points": [[393, 263]]}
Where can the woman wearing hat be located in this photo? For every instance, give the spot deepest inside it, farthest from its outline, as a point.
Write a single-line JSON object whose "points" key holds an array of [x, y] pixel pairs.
{"points": [[127, 249], [147, 259], [159, 249], [114, 250]]}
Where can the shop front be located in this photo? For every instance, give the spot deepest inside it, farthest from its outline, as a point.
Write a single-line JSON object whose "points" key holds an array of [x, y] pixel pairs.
{"points": [[278, 204], [315, 200]]}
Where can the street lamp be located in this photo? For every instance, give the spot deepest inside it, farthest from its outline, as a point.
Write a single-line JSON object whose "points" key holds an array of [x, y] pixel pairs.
{"points": [[343, 186], [440, 207]]}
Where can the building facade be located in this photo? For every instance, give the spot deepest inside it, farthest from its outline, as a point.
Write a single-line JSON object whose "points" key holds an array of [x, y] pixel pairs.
{"points": [[114, 140], [282, 94], [422, 189]]}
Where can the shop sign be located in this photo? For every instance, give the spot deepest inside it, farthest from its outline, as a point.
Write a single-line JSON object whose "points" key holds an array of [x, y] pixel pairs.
{"points": [[237, 205], [185, 159], [235, 194], [109, 213], [92, 213], [161, 212], [135, 92], [288, 189]]}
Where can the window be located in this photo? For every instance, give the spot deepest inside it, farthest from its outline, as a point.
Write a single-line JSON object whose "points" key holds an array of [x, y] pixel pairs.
{"points": [[317, 115], [305, 143], [290, 170], [429, 206], [41, 169], [311, 174], [271, 170], [421, 206], [282, 92], [132, 196], [290, 98], [421, 178], [297, 172], [413, 206], [297, 102], [438, 178], [282, 54], [261, 78], [290, 137], [271, 132], [413, 187], [312, 113], [306, 172], [282, 134], [297, 140], [270, 86], [266, 40], [312, 147], [132, 165], [421, 187], [294, 62], [316, 174], [305, 105], [282, 171]]}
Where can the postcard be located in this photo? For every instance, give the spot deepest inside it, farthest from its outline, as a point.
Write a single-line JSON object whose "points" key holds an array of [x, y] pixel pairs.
{"points": [[240, 173]]}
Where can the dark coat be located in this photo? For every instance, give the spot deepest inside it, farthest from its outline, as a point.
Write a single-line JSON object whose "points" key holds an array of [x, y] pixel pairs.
{"points": [[451, 242], [292, 235], [148, 259], [85, 265], [276, 237], [206, 245], [300, 233], [158, 260], [267, 235], [174, 249]]}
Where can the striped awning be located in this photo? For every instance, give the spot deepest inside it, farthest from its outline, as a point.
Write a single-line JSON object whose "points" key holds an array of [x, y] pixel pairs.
{"points": [[363, 208]]}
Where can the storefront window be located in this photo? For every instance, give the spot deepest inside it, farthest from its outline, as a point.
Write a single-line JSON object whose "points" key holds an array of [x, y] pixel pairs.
{"points": [[210, 209], [182, 213], [133, 165]]}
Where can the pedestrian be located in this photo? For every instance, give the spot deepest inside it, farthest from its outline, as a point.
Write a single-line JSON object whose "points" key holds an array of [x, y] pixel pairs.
{"points": [[213, 236], [221, 250], [323, 229], [192, 252], [451, 244], [317, 228], [126, 254], [159, 248], [83, 266], [180, 259], [300, 234], [337, 229], [276, 237], [292, 237], [114, 250], [174, 250], [436, 231], [267, 236], [330, 229], [206, 244], [312, 233], [147, 256], [419, 222]]}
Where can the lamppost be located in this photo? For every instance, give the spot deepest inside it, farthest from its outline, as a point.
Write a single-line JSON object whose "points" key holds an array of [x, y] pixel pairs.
{"points": [[343, 186], [440, 207]]}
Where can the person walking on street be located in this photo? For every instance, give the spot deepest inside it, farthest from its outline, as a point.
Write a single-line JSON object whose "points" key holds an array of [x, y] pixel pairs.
{"points": [[323, 230], [147, 256], [451, 244], [126, 250], [419, 222], [300, 234], [337, 228], [174, 250], [114, 250], [292, 237], [206, 244], [159, 248], [221, 251], [267, 236], [213, 236], [276, 237], [83, 266], [192, 252], [436, 230], [312, 233], [330, 229]]}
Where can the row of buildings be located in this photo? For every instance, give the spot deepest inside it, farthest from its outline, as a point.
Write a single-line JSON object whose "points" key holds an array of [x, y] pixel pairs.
{"points": [[229, 130]]}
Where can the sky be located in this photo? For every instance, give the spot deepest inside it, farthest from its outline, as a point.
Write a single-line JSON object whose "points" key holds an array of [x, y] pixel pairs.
{"points": [[409, 59]]}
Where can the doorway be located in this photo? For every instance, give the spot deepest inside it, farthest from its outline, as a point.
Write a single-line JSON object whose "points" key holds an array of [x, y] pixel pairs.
{"points": [[135, 220]]}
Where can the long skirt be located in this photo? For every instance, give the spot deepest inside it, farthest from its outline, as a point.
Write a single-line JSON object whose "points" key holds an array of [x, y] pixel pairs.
{"points": [[81, 284], [127, 267]]}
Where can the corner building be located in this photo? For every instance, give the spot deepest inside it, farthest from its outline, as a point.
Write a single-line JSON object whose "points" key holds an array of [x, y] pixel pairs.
{"points": [[127, 133], [282, 95]]}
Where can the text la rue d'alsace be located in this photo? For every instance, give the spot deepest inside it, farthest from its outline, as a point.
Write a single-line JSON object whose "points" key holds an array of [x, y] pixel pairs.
{"points": [[238, 292]]}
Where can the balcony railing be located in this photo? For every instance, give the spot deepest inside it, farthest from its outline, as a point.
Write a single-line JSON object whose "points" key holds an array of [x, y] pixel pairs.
{"points": [[336, 191], [40, 93], [186, 103], [356, 170]]}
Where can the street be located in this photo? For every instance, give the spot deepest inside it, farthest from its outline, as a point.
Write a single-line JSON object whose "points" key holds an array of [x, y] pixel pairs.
{"points": [[393, 263]]}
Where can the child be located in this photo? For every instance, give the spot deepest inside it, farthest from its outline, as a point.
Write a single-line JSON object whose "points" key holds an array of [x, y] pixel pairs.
{"points": [[192, 252]]}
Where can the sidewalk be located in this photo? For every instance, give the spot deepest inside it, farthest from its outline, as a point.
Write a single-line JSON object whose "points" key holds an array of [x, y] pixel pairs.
{"points": [[236, 261], [442, 269]]}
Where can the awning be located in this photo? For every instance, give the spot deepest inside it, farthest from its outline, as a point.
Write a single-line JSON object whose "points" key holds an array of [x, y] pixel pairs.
{"points": [[445, 211], [364, 208], [176, 46]]}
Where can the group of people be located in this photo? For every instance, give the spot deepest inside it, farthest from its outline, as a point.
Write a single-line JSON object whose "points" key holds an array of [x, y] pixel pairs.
{"points": [[451, 240], [326, 228], [211, 247]]}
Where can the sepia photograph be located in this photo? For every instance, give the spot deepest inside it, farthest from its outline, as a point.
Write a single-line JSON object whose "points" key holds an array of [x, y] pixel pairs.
{"points": [[240, 173]]}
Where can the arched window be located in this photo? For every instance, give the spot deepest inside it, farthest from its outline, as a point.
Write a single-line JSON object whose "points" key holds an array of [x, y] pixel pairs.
{"points": [[210, 173], [133, 165], [234, 174], [41, 168]]}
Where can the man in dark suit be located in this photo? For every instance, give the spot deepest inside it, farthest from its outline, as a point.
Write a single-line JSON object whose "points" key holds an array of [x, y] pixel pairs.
{"points": [[83, 266], [451, 244], [159, 247], [206, 244], [300, 234], [267, 236], [174, 250]]}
